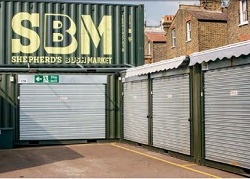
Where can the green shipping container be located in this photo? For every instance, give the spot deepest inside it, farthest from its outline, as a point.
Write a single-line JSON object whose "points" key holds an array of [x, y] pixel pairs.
{"points": [[52, 38], [69, 33]]}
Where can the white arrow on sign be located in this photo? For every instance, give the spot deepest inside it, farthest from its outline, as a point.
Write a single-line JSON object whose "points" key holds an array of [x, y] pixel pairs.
{"points": [[38, 78]]}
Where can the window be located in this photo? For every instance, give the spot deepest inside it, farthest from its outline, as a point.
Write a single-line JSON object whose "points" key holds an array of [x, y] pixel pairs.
{"points": [[173, 37], [149, 48], [243, 12], [188, 31]]}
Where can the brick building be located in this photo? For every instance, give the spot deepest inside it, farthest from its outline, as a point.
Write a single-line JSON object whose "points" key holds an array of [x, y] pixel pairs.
{"points": [[197, 28], [238, 21], [154, 46]]}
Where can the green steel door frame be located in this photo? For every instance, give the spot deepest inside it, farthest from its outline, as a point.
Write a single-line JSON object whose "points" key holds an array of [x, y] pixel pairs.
{"points": [[197, 112], [150, 111], [119, 110], [191, 122]]}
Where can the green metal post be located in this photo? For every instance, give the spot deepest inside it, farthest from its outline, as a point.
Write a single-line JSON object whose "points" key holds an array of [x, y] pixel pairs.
{"points": [[119, 108], [112, 107], [197, 123], [108, 107], [150, 112]]}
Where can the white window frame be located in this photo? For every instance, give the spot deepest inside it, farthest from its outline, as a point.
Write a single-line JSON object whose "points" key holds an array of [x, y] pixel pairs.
{"points": [[188, 31], [149, 48], [243, 12], [173, 37]]}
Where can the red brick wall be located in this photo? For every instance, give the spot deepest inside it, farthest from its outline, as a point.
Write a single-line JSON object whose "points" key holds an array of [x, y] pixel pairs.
{"points": [[212, 35], [182, 46], [204, 35], [159, 52], [237, 33]]}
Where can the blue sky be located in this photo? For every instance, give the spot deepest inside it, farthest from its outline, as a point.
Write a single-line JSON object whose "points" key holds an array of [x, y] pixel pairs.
{"points": [[155, 9]]}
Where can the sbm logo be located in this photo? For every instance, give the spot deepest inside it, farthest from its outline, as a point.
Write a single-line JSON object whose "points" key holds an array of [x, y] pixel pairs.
{"points": [[62, 31]]}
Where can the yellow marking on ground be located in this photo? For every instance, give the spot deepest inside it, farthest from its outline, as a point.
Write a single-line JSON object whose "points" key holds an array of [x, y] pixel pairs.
{"points": [[172, 163], [189, 165]]}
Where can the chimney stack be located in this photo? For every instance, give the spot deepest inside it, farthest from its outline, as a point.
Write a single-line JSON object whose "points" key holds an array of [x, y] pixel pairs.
{"points": [[212, 5], [166, 22]]}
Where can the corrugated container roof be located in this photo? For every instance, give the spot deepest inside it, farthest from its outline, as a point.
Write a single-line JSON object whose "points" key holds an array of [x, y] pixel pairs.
{"points": [[77, 2], [156, 36], [207, 15]]}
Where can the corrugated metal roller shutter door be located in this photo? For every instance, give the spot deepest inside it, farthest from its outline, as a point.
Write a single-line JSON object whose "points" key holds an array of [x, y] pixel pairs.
{"points": [[227, 115], [51, 112], [135, 111], [171, 113]]}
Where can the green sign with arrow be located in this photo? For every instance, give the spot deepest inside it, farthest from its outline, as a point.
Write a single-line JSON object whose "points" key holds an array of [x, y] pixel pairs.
{"points": [[46, 78]]}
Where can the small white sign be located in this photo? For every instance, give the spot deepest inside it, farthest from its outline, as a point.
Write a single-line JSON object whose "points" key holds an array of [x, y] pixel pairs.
{"points": [[24, 81], [12, 79], [63, 98], [234, 93], [169, 96], [204, 66]]}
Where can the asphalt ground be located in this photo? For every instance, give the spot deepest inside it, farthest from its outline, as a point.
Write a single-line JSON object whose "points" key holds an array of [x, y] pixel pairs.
{"points": [[104, 160]]}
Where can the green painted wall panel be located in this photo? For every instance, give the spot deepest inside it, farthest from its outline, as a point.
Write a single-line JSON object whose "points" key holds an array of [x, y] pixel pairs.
{"points": [[8, 101]]}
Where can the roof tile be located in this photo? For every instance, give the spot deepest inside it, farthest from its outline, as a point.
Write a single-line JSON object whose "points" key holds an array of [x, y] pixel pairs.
{"points": [[156, 36], [208, 15]]}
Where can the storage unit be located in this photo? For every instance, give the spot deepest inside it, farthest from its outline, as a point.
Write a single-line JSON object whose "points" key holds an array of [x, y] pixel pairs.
{"points": [[135, 96], [171, 113], [227, 115], [226, 73], [164, 99], [74, 107]]}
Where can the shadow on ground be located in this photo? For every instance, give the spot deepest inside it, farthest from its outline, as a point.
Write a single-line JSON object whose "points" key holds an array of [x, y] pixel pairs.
{"points": [[11, 160]]}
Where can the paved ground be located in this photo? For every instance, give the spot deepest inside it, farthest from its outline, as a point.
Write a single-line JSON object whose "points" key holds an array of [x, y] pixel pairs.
{"points": [[98, 160]]}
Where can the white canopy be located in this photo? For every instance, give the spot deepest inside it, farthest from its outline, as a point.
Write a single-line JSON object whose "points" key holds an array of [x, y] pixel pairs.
{"points": [[228, 51], [155, 67]]}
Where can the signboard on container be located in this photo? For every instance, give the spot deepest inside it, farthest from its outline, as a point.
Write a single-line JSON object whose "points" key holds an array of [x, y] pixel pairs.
{"points": [[70, 33]]}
